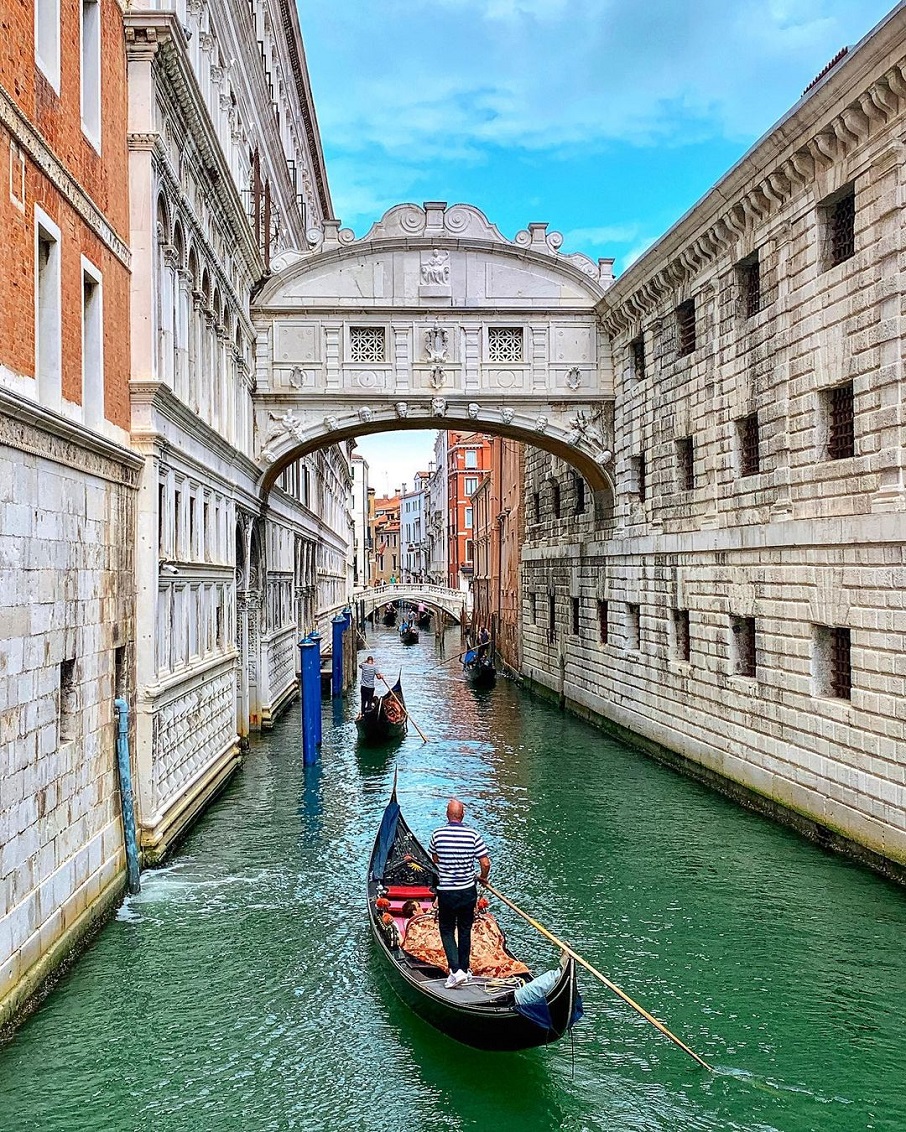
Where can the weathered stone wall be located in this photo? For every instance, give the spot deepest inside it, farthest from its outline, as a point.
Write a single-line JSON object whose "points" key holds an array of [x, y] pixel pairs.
{"points": [[66, 623], [811, 540]]}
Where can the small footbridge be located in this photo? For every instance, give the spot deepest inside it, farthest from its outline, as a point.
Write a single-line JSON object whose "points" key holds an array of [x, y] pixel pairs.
{"points": [[456, 604]]}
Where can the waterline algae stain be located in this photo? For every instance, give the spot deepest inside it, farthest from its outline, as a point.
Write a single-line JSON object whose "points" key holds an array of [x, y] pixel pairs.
{"points": [[239, 989]]}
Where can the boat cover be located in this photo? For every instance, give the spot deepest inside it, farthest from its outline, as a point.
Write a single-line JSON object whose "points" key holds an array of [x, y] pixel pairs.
{"points": [[385, 838], [531, 1000]]}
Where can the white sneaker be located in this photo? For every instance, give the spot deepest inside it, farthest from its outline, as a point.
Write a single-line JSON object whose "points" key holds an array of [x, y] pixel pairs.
{"points": [[460, 977], [451, 981]]}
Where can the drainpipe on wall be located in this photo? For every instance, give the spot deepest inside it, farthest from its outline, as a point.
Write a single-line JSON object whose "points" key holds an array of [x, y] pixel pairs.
{"points": [[125, 771]]}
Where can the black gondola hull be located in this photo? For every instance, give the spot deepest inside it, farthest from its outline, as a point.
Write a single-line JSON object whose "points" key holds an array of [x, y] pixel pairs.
{"points": [[480, 675]]}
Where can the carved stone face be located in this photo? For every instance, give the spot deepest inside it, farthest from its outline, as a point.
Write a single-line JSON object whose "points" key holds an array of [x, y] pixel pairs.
{"points": [[402, 409]]}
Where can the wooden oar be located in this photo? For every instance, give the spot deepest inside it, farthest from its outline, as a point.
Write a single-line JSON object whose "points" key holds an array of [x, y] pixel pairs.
{"points": [[588, 967], [443, 662], [424, 737]]}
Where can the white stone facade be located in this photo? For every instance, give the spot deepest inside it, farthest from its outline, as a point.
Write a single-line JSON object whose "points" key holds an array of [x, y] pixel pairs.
{"points": [[752, 574]]}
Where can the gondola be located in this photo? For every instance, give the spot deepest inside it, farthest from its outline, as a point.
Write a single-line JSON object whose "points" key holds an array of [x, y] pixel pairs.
{"points": [[424, 619], [478, 668], [388, 617], [387, 719], [408, 633], [489, 1013]]}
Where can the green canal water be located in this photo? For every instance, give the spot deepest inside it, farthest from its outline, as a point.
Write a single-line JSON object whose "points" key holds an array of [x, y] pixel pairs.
{"points": [[239, 991]]}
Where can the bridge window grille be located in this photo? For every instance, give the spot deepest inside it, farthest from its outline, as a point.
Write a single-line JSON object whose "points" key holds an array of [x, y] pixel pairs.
{"points": [[505, 344], [744, 655], [637, 357], [603, 621], [367, 344], [685, 328], [685, 455], [575, 604], [681, 634], [841, 435], [749, 446]]}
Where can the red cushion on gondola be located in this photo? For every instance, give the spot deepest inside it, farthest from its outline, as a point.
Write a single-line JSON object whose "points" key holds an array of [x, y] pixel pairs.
{"points": [[409, 892]]}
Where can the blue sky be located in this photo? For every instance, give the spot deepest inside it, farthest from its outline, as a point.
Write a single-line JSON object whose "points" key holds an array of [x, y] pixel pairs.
{"points": [[606, 118]]}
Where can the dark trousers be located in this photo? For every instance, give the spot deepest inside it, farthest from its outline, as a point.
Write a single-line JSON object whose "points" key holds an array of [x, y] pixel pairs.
{"points": [[367, 697], [455, 916]]}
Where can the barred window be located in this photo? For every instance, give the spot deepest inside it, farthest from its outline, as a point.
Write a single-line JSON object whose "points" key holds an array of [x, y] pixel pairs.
{"points": [[603, 621], [555, 498], [551, 617], [637, 357], [685, 458], [744, 657], [841, 434], [638, 473], [633, 627], [505, 343], [685, 328], [841, 228], [536, 503], [575, 603], [367, 344], [749, 273], [580, 493], [833, 661], [749, 445], [533, 606], [681, 634]]}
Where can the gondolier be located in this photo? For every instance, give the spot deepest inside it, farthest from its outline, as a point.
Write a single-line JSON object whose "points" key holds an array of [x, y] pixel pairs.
{"points": [[369, 672], [455, 848]]}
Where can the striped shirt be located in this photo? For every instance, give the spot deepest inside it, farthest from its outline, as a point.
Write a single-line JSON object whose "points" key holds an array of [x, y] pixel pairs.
{"points": [[457, 847], [368, 672]]}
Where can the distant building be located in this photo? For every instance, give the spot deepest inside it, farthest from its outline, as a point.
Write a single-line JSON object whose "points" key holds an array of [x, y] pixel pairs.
{"points": [[468, 456], [436, 504], [386, 539], [361, 497], [413, 532]]}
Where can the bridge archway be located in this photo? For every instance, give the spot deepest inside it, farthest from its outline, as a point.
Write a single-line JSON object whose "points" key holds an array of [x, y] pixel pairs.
{"points": [[434, 320], [438, 598]]}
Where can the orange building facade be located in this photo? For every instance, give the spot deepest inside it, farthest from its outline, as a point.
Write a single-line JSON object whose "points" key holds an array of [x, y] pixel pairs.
{"points": [[386, 540], [468, 459]]}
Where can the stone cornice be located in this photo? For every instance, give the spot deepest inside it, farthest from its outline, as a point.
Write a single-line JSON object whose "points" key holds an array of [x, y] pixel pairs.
{"points": [[39, 152], [29, 427], [858, 99], [162, 33], [290, 18]]}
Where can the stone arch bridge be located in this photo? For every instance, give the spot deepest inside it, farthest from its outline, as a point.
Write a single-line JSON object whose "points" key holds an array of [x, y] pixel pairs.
{"points": [[435, 320], [455, 603]]}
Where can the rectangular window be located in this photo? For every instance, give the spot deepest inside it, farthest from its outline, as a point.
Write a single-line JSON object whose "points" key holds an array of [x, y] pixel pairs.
{"points": [[832, 662], [839, 222], [839, 409], [471, 485], [743, 646], [92, 346], [551, 617], [748, 273], [48, 319], [639, 476], [536, 502], [603, 622], [91, 71], [533, 605], [633, 626], [468, 519], [749, 445], [685, 328], [637, 357], [67, 714], [555, 498], [47, 40], [504, 343], [367, 344], [681, 639], [685, 458], [575, 604], [579, 485], [119, 671], [471, 458]]}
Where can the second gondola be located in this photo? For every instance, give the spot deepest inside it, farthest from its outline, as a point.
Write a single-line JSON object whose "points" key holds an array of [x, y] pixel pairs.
{"points": [[386, 719]]}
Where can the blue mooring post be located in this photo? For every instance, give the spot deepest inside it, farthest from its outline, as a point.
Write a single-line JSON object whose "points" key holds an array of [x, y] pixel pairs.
{"points": [[339, 626], [315, 637], [310, 686], [125, 771]]}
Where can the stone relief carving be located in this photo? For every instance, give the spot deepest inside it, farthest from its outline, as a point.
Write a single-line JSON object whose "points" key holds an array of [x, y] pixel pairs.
{"points": [[473, 409], [541, 424], [587, 429], [366, 414], [436, 272], [282, 425], [402, 409], [435, 343], [438, 377], [574, 378], [331, 423], [367, 379], [506, 415], [438, 406]]}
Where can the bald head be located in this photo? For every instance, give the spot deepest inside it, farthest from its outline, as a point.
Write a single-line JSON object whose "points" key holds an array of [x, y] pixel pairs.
{"points": [[455, 810]]}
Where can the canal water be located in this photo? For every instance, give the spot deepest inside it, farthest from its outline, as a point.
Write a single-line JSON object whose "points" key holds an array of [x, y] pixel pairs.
{"points": [[239, 991]]}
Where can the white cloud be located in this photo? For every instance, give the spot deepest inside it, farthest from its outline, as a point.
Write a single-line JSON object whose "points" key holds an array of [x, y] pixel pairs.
{"points": [[601, 236]]}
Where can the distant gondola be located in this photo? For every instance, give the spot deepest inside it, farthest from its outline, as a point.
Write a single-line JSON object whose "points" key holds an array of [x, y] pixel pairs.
{"points": [[388, 617], [387, 719], [408, 633], [424, 619], [485, 1013], [478, 668]]}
